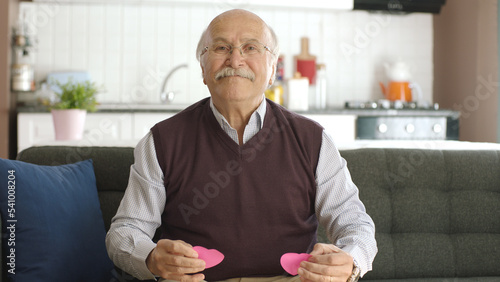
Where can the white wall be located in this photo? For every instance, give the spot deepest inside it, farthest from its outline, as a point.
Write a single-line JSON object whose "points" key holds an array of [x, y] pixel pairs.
{"points": [[130, 48]]}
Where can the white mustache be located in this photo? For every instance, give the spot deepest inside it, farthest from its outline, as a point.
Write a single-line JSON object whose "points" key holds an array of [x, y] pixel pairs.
{"points": [[229, 71]]}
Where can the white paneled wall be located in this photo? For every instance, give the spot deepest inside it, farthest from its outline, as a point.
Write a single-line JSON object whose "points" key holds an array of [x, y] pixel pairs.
{"points": [[130, 48]]}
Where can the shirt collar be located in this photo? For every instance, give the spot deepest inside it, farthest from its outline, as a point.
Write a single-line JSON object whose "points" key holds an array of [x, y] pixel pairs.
{"points": [[259, 113]]}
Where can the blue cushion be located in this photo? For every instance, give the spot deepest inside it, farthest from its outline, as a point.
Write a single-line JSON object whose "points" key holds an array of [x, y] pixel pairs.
{"points": [[52, 226]]}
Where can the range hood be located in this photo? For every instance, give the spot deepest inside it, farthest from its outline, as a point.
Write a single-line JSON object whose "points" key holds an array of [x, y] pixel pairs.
{"points": [[400, 6]]}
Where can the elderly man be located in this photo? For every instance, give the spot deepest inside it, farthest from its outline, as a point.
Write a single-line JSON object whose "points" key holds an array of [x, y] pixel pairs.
{"points": [[242, 175]]}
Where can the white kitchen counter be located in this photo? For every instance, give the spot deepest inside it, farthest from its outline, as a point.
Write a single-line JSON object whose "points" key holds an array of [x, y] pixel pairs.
{"points": [[418, 144], [127, 128], [124, 129]]}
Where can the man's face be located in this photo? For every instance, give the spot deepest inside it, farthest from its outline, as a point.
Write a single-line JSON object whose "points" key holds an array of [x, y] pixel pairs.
{"points": [[235, 30]]}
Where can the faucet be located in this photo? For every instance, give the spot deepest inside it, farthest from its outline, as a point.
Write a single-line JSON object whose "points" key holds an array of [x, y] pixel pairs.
{"points": [[168, 96]]}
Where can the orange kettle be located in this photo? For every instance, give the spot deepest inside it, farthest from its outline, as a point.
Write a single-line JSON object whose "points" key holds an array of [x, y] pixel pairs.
{"points": [[399, 88]]}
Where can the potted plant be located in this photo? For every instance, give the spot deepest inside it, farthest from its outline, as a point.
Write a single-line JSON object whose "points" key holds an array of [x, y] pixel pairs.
{"points": [[70, 106]]}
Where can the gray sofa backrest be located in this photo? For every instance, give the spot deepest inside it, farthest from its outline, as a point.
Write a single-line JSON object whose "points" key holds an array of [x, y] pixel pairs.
{"points": [[437, 213]]}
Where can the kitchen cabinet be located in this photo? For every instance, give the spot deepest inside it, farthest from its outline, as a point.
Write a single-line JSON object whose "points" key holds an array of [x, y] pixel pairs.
{"points": [[342, 128], [100, 129], [144, 121], [33, 128], [126, 128]]}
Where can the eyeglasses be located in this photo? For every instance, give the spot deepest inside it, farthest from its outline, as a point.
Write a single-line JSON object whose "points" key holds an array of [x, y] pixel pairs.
{"points": [[248, 49]]}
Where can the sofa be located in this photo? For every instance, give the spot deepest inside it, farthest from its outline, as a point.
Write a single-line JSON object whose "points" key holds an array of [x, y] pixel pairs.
{"points": [[437, 212]]}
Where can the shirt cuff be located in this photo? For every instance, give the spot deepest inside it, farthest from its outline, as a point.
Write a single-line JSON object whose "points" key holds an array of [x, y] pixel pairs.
{"points": [[357, 256], [138, 259]]}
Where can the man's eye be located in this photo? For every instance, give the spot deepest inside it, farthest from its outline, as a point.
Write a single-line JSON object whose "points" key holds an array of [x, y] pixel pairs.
{"points": [[250, 48], [221, 48]]}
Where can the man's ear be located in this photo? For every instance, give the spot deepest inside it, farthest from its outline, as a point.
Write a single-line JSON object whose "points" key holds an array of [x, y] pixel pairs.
{"points": [[203, 74], [273, 75]]}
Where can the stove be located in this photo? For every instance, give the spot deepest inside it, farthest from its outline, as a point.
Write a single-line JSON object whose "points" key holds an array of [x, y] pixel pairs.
{"points": [[386, 105], [399, 120]]}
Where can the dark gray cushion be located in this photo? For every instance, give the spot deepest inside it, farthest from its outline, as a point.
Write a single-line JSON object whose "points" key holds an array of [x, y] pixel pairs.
{"points": [[111, 166], [437, 213]]}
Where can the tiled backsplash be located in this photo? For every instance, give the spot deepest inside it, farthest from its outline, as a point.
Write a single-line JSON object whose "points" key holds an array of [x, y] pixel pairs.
{"points": [[130, 48]]}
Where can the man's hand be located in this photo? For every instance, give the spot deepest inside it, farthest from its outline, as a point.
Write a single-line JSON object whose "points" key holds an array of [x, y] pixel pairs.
{"points": [[328, 263], [174, 260]]}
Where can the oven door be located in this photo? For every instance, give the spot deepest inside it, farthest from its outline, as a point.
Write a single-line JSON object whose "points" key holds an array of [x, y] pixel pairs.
{"points": [[406, 128]]}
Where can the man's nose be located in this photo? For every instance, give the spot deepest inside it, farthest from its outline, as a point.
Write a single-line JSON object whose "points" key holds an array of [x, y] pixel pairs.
{"points": [[235, 58], [240, 50]]}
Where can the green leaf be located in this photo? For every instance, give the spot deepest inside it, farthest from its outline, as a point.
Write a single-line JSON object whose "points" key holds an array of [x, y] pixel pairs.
{"points": [[76, 95]]}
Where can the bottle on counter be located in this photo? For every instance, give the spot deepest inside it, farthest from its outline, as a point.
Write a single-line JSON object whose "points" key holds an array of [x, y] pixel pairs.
{"points": [[320, 88], [298, 88], [22, 69], [275, 93], [305, 63]]}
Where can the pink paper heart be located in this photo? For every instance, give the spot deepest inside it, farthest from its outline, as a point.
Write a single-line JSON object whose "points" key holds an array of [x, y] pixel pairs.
{"points": [[291, 261], [211, 257]]}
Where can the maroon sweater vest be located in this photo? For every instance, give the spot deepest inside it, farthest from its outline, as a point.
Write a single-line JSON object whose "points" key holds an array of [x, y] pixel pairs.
{"points": [[253, 202]]}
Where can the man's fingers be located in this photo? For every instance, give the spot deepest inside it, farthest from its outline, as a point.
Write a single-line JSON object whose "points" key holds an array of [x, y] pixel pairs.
{"points": [[173, 260], [320, 249], [321, 272], [306, 276], [188, 265], [177, 263], [178, 247], [331, 259], [317, 268], [185, 278], [180, 269], [327, 263]]}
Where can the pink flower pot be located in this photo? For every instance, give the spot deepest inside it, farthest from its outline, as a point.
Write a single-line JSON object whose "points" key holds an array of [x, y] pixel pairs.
{"points": [[69, 124]]}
